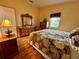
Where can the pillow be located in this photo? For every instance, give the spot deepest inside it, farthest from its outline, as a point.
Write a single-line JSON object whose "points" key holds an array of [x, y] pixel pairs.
{"points": [[76, 40], [74, 32]]}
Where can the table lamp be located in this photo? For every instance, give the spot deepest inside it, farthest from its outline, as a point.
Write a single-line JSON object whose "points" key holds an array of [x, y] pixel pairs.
{"points": [[7, 24]]}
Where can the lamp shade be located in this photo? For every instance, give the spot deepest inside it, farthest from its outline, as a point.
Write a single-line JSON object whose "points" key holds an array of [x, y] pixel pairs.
{"points": [[6, 23]]}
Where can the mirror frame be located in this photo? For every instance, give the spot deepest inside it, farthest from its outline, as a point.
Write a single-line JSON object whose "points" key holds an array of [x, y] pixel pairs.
{"points": [[26, 15]]}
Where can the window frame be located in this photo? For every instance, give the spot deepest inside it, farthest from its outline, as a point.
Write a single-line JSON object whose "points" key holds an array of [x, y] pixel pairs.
{"points": [[57, 23], [55, 15]]}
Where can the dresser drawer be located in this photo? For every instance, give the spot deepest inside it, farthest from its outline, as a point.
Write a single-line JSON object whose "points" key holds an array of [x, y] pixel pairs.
{"points": [[25, 31]]}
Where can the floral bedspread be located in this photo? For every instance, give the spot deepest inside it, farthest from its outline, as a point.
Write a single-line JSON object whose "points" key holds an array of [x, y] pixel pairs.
{"points": [[52, 43]]}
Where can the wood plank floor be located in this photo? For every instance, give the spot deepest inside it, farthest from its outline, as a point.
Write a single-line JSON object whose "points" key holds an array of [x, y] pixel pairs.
{"points": [[26, 51]]}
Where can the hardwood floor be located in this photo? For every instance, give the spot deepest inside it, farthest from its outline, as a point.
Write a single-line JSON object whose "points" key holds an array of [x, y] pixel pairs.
{"points": [[26, 51]]}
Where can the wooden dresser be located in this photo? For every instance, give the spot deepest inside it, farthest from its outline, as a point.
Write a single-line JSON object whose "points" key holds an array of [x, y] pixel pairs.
{"points": [[8, 47], [25, 31]]}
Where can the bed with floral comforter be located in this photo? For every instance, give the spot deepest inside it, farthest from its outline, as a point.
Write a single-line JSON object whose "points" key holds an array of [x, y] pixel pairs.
{"points": [[52, 44]]}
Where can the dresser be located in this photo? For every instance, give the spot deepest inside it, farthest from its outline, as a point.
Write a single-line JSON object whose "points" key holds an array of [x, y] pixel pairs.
{"points": [[25, 31], [8, 47]]}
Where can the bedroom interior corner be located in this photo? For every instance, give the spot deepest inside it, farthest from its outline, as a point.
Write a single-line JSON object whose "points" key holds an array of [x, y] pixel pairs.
{"points": [[40, 30]]}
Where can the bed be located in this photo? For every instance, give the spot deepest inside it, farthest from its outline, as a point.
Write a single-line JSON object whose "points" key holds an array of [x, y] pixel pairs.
{"points": [[52, 44]]}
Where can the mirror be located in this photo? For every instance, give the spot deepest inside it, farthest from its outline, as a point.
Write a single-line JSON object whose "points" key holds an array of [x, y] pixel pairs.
{"points": [[26, 20]]}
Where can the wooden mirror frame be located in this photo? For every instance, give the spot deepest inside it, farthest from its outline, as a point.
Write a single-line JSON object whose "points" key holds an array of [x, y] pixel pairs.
{"points": [[26, 15]]}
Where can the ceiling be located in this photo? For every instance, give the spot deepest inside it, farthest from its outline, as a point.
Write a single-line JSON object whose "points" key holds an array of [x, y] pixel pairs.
{"points": [[42, 3]]}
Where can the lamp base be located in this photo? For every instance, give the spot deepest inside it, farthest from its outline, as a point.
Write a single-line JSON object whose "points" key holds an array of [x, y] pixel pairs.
{"points": [[9, 33]]}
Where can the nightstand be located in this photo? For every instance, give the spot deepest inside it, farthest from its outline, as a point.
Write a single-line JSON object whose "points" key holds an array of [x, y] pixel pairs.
{"points": [[8, 47]]}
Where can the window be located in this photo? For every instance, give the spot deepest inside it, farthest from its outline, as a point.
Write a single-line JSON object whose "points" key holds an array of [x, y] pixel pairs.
{"points": [[54, 20]]}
